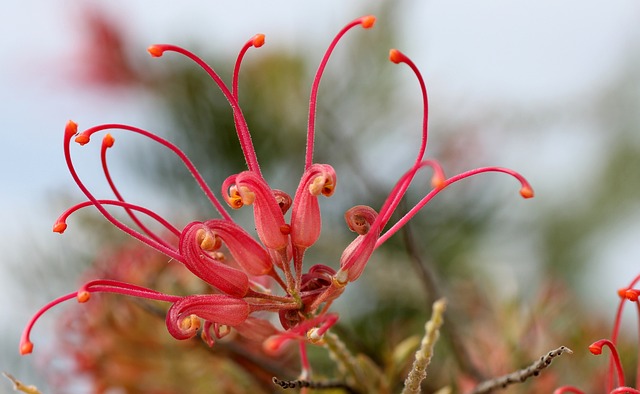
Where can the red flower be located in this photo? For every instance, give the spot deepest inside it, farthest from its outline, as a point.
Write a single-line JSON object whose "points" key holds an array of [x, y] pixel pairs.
{"points": [[227, 257]]}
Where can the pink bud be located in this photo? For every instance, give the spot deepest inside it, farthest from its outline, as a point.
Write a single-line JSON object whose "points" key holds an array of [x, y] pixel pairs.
{"points": [[248, 188], [306, 221], [195, 244], [246, 251], [214, 308]]}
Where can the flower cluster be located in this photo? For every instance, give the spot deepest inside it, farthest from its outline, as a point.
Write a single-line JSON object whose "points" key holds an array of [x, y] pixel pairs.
{"points": [[615, 383], [249, 275]]}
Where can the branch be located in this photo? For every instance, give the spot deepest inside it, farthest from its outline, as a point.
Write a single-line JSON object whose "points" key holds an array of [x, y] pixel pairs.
{"points": [[423, 355], [19, 386], [298, 384], [521, 375]]}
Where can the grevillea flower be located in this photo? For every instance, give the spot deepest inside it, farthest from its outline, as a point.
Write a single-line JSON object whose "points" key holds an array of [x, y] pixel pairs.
{"points": [[615, 378], [255, 275]]}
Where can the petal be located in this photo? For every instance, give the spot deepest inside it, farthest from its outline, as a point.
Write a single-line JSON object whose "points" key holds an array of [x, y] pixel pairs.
{"points": [[355, 257], [248, 188], [214, 308], [246, 251], [224, 278], [306, 221]]}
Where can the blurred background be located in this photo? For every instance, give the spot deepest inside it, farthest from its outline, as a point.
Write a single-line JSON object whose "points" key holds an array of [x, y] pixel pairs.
{"points": [[550, 90]]}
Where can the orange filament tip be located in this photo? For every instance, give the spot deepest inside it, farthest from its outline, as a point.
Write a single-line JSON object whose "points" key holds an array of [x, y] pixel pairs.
{"points": [[108, 140], [285, 229], [622, 293], [59, 227], [526, 192], [258, 40], [438, 182], [82, 139], [595, 348], [26, 348], [71, 128], [83, 296], [368, 21], [155, 51], [396, 56]]}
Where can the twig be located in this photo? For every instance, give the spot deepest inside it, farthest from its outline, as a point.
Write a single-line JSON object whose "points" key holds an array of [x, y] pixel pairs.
{"points": [[19, 386], [423, 356], [346, 362], [298, 384], [521, 375]]}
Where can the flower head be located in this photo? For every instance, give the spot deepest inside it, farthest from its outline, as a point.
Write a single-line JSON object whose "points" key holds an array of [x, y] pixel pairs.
{"points": [[251, 275]]}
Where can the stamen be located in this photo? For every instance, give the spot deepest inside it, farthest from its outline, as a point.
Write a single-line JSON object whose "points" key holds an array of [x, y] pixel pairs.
{"points": [[525, 191], [107, 142], [123, 288], [256, 41], [438, 181], [70, 131], [596, 348], [85, 136], [398, 57], [60, 225], [26, 346], [366, 22], [83, 295], [616, 331], [241, 124], [625, 390]]}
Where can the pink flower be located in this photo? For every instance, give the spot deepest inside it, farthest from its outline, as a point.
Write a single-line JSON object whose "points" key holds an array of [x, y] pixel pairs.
{"points": [[255, 275]]}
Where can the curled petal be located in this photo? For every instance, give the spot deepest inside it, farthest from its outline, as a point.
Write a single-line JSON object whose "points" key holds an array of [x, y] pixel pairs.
{"points": [[248, 188], [360, 218], [246, 251], [283, 200], [196, 241], [214, 308], [306, 222]]}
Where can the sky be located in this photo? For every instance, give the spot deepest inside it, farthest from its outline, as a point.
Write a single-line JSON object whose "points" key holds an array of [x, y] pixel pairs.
{"points": [[522, 53]]}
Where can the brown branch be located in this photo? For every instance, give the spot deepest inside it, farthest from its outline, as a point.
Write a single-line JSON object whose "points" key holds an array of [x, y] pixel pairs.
{"points": [[19, 386], [298, 384], [521, 375]]}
